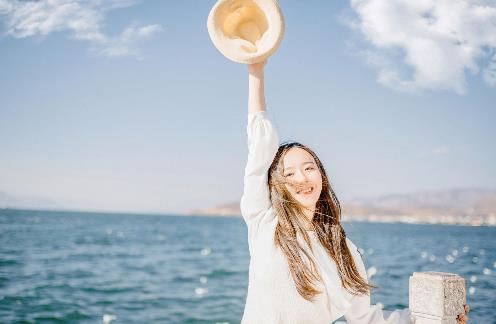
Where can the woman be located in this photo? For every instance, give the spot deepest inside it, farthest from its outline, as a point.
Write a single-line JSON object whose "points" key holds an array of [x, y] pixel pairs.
{"points": [[303, 268]]}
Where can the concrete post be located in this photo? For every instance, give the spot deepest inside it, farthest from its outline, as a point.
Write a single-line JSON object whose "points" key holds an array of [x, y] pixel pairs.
{"points": [[436, 297]]}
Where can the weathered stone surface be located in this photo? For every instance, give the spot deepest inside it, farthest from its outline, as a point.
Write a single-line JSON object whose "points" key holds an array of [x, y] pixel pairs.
{"points": [[436, 297]]}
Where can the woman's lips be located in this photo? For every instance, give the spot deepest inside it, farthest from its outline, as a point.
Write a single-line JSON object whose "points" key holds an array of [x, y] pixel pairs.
{"points": [[303, 193]]}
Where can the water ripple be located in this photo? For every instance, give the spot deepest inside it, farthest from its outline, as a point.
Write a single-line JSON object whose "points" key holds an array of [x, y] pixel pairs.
{"points": [[93, 268]]}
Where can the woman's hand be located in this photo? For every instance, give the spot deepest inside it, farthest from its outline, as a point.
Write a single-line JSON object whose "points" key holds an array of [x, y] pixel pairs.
{"points": [[257, 69], [463, 318]]}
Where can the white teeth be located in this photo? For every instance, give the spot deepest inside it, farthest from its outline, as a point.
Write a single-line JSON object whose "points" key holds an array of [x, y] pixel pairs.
{"points": [[306, 191]]}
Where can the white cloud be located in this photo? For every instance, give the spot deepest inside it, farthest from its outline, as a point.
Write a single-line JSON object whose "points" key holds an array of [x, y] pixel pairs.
{"points": [[427, 44], [84, 19], [124, 44]]}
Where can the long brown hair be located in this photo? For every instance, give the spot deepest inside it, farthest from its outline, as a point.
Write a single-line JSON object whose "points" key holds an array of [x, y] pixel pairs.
{"points": [[326, 223]]}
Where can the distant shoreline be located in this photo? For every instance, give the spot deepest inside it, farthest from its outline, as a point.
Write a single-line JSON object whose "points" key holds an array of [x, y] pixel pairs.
{"points": [[388, 220], [346, 218]]}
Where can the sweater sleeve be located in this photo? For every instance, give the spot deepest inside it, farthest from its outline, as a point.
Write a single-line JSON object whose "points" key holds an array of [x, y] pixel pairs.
{"points": [[263, 143], [361, 312]]}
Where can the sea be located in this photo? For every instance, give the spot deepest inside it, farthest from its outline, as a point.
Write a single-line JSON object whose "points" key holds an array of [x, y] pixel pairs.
{"points": [[80, 267]]}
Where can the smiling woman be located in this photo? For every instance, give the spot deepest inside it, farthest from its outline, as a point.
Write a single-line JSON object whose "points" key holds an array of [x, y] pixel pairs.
{"points": [[303, 268]]}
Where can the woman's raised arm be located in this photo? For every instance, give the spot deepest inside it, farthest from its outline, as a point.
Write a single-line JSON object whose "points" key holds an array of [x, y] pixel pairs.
{"points": [[256, 94], [263, 142]]}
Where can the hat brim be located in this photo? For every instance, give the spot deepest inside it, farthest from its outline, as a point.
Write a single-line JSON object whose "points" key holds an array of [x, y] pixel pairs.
{"points": [[235, 48]]}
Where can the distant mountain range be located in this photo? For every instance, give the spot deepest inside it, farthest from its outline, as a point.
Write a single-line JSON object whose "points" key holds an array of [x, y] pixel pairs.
{"points": [[472, 206]]}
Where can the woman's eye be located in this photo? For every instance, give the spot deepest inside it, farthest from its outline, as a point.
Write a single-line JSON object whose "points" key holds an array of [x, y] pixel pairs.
{"points": [[289, 174], [309, 168]]}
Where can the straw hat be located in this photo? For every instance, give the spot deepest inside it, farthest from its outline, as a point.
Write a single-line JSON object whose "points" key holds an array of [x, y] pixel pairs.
{"points": [[246, 31]]}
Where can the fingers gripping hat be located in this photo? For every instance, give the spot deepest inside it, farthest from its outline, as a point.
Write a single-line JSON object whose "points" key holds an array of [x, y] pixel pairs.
{"points": [[246, 31]]}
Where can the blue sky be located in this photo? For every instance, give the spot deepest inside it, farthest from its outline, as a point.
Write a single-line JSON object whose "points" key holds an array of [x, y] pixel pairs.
{"points": [[133, 109]]}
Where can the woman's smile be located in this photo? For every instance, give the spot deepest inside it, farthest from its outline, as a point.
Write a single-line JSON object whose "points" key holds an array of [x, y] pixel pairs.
{"points": [[306, 192]]}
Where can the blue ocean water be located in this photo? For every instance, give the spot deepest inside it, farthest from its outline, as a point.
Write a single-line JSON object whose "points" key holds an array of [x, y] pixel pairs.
{"points": [[69, 267]]}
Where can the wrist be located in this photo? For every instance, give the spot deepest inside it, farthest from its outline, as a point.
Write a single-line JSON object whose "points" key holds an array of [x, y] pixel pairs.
{"points": [[256, 75]]}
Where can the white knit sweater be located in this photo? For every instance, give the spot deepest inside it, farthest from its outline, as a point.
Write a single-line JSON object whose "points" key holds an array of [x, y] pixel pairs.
{"points": [[272, 296]]}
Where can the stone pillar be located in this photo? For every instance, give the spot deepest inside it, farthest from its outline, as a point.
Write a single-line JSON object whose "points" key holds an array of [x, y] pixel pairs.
{"points": [[436, 297]]}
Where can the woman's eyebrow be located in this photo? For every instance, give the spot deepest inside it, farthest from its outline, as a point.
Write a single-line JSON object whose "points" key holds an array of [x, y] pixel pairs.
{"points": [[301, 164]]}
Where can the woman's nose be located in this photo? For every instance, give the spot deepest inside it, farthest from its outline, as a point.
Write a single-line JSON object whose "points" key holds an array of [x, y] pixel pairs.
{"points": [[300, 176]]}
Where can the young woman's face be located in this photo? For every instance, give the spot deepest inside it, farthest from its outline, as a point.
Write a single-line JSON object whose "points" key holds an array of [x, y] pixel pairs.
{"points": [[302, 173]]}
